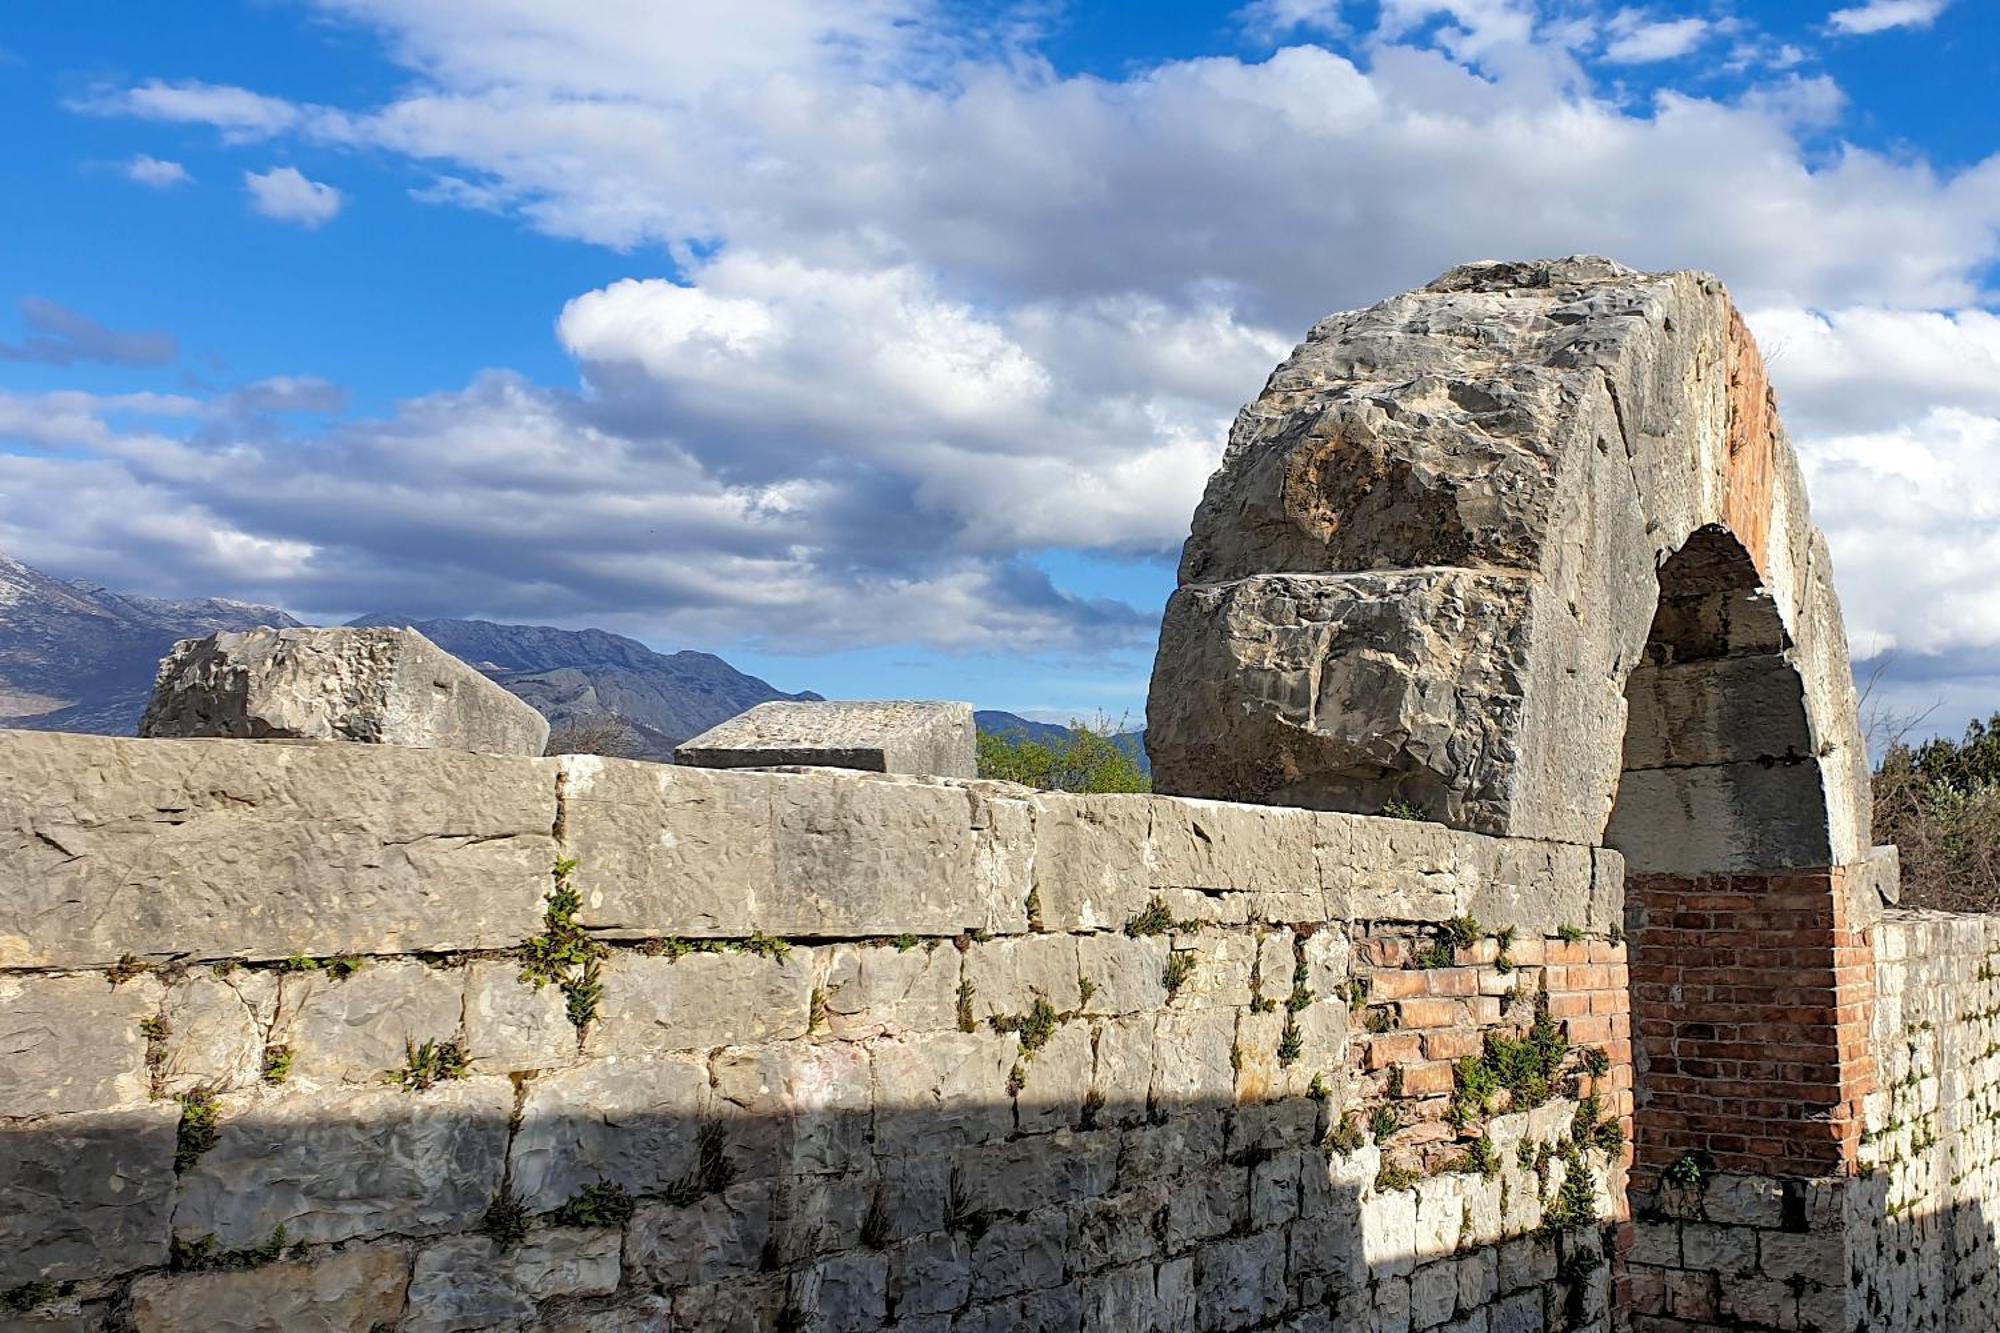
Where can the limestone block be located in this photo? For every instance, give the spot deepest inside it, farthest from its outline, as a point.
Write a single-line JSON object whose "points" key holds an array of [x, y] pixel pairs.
{"points": [[1017, 1254], [359, 1288], [1430, 555], [1091, 868], [877, 736], [665, 850], [1536, 887], [512, 1026], [846, 1293], [356, 1162], [881, 990], [1343, 691], [1123, 1072], [702, 1000], [1115, 1229], [739, 1305], [471, 1282], [649, 1313], [714, 1238], [1394, 870], [1126, 974], [815, 1214], [635, 1122], [1191, 1059], [1389, 1232], [1008, 975], [1433, 1294], [1038, 1173], [87, 1194], [364, 1027], [793, 1107], [1236, 848], [930, 1275], [217, 1026], [377, 685], [1222, 965], [1240, 1283], [941, 1090], [218, 849], [1058, 1079], [73, 1043]]}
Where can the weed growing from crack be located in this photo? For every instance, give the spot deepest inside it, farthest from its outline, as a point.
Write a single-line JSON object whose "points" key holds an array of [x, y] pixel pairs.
{"points": [[432, 1063], [1291, 1042], [199, 1127], [201, 1254], [563, 955], [277, 1063], [604, 1203], [505, 1220]]}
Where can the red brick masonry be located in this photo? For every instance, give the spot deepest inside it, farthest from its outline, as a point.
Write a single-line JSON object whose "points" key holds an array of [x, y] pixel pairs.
{"points": [[1750, 1000]]}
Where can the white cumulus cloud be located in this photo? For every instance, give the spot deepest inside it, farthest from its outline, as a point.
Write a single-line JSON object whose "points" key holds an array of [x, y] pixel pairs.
{"points": [[1882, 15], [1642, 43], [156, 172], [287, 194]]}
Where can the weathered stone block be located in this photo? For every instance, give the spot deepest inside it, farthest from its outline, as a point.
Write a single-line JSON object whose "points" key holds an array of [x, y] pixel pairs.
{"points": [[357, 1162], [73, 1043], [511, 1025], [1239, 1283], [713, 1238], [941, 1090], [1007, 976], [217, 1025], [219, 849], [702, 1000], [877, 736], [1127, 975], [665, 850], [364, 1028], [360, 1288], [1091, 869], [471, 1282], [86, 1194], [635, 1122], [793, 1107], [881, 990], [381, 686]]}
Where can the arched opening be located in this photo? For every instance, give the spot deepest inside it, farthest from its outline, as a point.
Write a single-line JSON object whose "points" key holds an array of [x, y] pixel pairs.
{"points": [[1743, 962], [1718, 773]]}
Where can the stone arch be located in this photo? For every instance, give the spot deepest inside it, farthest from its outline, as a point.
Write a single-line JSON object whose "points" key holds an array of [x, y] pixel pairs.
{"points": [[1528, 550], [1433, 561]]}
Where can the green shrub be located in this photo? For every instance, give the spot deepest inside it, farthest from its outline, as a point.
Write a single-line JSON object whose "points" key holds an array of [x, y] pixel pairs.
{"points": [[1094, 757]]}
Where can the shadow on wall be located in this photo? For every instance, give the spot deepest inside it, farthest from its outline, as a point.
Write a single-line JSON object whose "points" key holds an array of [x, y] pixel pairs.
{"points": [[553, 1201]]}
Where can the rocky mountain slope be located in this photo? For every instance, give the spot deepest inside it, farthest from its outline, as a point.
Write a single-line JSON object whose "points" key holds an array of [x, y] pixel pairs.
{"points": [[574, 674], [78, 657]]}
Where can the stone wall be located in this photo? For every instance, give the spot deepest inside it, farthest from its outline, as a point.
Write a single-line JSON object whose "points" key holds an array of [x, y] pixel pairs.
{"points": [[1925, 1212], [317, 1035]]}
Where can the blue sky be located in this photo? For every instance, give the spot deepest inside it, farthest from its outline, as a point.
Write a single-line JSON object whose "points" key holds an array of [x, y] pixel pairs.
{"points": [[882, 345]]}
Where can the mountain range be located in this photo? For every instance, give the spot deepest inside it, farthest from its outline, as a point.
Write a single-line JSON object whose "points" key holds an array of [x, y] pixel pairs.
{"points": [[75, 656]]}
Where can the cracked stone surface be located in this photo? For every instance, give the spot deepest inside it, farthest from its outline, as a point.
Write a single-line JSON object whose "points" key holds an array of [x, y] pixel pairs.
{"points": [[1427, 564], [379, 686]]}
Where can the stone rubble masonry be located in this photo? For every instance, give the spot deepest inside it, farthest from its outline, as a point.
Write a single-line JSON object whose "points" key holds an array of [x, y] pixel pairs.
{"points": [[876, 736], [859, 1051], [380, 686]]}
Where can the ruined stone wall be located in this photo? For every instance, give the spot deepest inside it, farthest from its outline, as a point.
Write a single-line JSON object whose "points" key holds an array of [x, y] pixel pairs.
{"points": [[810, 1050], [1925, 1213]]}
